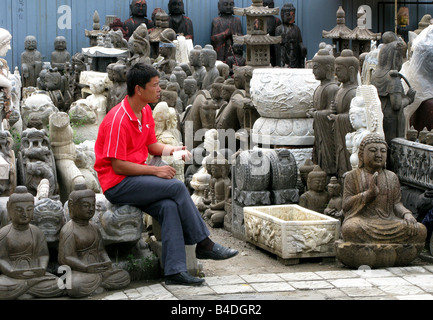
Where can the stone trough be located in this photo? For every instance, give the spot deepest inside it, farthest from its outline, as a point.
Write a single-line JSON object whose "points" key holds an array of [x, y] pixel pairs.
{"points": [[291, 232]]}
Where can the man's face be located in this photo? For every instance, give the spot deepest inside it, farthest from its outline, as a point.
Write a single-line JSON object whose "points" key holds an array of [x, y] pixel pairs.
{"points": [[375, 156], [226, 6], [176, 7], [139, 8], [152, 92]]}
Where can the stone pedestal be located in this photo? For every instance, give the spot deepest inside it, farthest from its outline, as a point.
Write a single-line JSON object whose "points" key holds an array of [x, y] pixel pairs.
{"points": [[101, 57], [282, 97]]}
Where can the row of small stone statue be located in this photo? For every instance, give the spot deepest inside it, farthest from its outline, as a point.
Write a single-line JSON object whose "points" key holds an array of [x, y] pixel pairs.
{"points": [[24, 253]]}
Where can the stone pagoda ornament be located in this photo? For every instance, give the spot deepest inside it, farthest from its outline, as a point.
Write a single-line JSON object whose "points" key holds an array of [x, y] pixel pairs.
{"points": [[339, 33], [257, 40], [361, 36]]}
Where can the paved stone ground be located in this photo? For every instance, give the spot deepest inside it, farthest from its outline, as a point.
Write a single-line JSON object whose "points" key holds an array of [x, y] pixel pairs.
{"points": [[397, 283]]}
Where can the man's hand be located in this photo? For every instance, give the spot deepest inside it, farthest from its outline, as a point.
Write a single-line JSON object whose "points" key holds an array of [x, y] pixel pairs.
{"points": [[165, 172]]}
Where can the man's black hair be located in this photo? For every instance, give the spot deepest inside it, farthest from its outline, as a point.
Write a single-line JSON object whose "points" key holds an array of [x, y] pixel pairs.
{"points": [[139, 74]]}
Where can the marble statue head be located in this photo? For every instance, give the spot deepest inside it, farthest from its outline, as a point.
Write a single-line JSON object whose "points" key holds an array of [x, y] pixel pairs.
{"points": [[5, 42]]}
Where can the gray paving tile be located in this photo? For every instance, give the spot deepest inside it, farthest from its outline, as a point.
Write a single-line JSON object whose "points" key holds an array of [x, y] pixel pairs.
{"points": [[299, 276], [388, 281], [233, 288], [327, 275], [234, 279], [363, 291], [402, 290], [350, 283], [272, 287], [311, 285], [254, 278]]}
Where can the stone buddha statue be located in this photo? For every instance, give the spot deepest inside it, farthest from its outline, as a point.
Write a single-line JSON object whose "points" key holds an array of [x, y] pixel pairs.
{"points": [[292, 51], [346, 70], [60, 55], [138, 11], [316, 198], [31, 62], [198, 70], [219, 189], [180, 23], [208, 57], [324, 95], [81, 248], [334, 208], [378, 230], [223, 29], [24, 253]]}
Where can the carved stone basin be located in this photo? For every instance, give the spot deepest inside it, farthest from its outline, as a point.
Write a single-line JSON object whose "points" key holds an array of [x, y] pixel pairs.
{"points": [[291, 231]]}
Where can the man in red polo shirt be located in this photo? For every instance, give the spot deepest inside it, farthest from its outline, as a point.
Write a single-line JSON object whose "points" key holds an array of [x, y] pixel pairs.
{"points": [[126, 136]]}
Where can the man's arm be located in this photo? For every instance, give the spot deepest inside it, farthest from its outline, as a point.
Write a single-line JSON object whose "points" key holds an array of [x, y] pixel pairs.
{"points": [[127, 168]]}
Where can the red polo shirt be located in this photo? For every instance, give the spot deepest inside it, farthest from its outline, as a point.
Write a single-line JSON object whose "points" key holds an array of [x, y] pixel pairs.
{"points": [[122, 137]]}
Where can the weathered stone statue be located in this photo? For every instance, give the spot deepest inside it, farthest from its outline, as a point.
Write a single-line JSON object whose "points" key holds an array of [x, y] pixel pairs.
{"points": [[8, 178], [292, 51], [324, 95], [167, 52], [118, 91], [60, 55], [38, 106], [24, 253], [346, 70], [180, 23], [208, 57], [316, 198], [237, 58], [31, 62], [198, 70], [35, 161], [141, 46], [273, 22], [190, 88], [81, 248], [366, 117], [388, 82], [223, 29], [219, 190], [167, 133], [78, 65], [97, 100], [378, 230], [138, 10], [49, 215], [335, 206], [64, 150]]}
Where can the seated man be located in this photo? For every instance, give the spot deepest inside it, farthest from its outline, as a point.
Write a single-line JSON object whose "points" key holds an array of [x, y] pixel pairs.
{"points": [[126, 137], [373, 211]]}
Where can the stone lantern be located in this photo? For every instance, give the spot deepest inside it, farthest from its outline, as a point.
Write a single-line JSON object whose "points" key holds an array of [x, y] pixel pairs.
{"points": [[338, 33], [257, 40]]}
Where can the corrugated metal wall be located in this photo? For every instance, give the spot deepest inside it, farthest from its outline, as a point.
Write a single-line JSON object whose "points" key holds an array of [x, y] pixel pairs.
{"points": [[47, 19]]}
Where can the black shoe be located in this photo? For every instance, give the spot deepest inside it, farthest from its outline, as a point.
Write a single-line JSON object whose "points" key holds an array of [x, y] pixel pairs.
{"points": [[183, 278], [218, 252]]}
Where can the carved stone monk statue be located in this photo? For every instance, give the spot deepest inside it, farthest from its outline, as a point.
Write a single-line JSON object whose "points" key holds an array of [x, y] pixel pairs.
{"points": [[292, 51], [180, 23], [138, 9], [208, 57], [60, 55], [316, 198], [223, 29], [81, 248], [24, 253], [31, 62], [324, 95], [346, 70], [378, 230]]}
